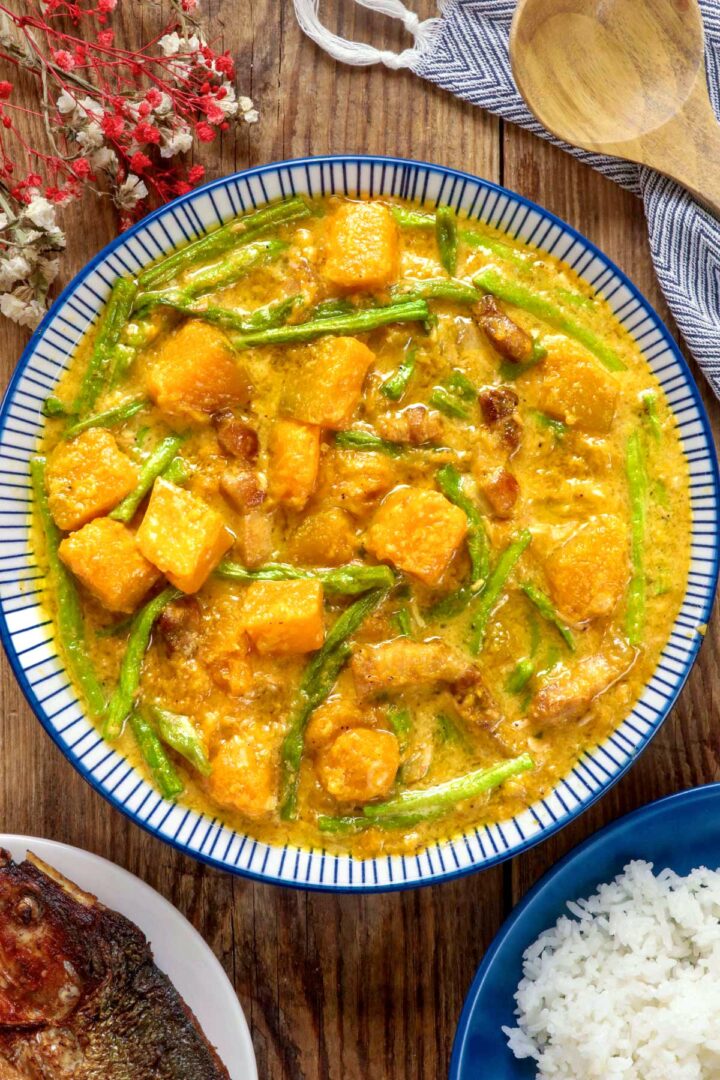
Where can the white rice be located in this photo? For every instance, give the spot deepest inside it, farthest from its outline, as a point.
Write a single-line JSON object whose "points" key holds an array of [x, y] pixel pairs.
{"points": [[629, 987]]}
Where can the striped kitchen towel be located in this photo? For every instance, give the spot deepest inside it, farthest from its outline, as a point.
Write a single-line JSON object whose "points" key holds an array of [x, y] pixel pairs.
{"points": [[465, 51]]}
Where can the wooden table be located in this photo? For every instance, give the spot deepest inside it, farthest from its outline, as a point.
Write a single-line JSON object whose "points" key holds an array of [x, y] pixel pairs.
{"points": [[352, 987]]}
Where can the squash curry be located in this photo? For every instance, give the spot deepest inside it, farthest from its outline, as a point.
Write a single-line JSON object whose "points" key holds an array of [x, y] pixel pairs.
{"points": [[362, 523]]}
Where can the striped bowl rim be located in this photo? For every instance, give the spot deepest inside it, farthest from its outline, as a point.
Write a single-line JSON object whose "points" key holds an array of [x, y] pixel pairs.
{"points": [[26, 631]]}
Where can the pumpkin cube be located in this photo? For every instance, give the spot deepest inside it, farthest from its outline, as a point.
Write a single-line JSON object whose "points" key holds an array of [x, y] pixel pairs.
{"points": [[363, 247], [284, 616], [104, 556], [244, 772], [294, 460], [328, 386], [589, 572], [196, 373], [324, 539], [182, 536], [87, 477], [576, 389], [418, 531]]}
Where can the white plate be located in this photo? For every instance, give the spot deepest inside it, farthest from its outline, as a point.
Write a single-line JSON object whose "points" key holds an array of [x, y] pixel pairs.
{"points": [[178, 949]]}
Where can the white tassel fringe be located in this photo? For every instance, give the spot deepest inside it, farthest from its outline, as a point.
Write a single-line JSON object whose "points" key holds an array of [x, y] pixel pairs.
{"points": [[357, 53]]}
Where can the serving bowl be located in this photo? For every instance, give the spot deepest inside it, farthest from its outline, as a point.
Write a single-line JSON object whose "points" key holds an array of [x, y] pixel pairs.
{"points": [[650, 833], [26, 630]]}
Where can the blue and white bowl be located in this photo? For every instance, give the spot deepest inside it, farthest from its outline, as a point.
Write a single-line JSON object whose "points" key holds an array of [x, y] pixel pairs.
{"points": [[26, 629]]}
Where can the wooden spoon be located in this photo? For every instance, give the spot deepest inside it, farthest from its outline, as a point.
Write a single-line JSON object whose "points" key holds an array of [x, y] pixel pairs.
{"points": [[622, 77]]}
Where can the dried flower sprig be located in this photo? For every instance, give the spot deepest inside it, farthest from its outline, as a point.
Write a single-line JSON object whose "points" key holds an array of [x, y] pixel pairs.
{"points": [[117, 122]]}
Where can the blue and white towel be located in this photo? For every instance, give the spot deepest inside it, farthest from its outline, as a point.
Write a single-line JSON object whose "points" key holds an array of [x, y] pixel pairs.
{"points": [[465, 51]]}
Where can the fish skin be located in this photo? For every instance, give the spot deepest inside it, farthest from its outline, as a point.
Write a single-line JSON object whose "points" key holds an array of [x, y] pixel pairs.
{"points": [[80, 995]]}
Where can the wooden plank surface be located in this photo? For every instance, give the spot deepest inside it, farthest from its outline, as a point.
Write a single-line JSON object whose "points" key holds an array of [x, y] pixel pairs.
{"points": [[351, 988]]}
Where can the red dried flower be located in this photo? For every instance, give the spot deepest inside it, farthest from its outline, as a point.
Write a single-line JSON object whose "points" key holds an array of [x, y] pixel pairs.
{"points": [[6, 89], [139, 162], [63, 59], [112, 126], [204, 132], [106, 38], [153, 97], [225, 65], [81, 168], [146, 133], [196, 173]]}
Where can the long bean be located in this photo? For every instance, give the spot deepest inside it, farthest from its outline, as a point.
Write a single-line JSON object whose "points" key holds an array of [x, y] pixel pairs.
{"points": [[218, 275], [53, 407], [236, 232], [449, 403], [317, 682], [155, 464], [435, 289], [123, 697], [512, 292], [449, 480], [153, 752], [652, 417], [115, 314], [446, 236], [548, 611], [472, 237], [445, 796], [264, 318], [109, 418], [395, 386], [494, 586], [520, 676], [356, 322], [347, 580], [636, 472], [68, 612], [179, 732], [366, 440], [420, 804]]}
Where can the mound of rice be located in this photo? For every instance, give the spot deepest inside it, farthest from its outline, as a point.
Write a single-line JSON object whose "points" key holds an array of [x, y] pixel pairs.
{"points": [[629, 987]]}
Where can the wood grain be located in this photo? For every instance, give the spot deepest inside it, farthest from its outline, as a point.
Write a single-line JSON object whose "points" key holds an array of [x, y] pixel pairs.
{"points": [[351, 988]]}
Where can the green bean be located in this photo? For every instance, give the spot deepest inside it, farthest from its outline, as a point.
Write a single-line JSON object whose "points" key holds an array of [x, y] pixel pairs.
{"points": [[417, 219], [635, 468], [121, 360], [350, 823], [52, 406], [652, 416], [317, 681], [489, 280], [218, 275], [494, 586], [163, 771], [458, 382], [449, 480], [402, 621], [435, 289], [123, 697], [68, 612], [115, 314], [520, 676], [418, 803], [395, 386], [510, 371], [366, 440], [155, 464], [179, 732], [452, 604], [356, 322], [347, 580], [448, 403], [236, 232], [326, 308], [446, 237], [558, 428], [400, 721], [178, 471], [547, 609], [117, 415], [264, 318]]}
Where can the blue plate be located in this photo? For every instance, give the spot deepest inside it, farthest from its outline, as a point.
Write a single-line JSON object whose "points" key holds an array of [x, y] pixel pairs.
{"points": [[26, 628], [650, 833]]}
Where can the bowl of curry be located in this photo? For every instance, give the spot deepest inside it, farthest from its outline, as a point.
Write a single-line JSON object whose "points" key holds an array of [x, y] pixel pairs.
{"points": [[360, 523]]}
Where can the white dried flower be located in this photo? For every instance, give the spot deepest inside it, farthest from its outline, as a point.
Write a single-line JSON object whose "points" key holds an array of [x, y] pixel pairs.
{"points": [[13, 268], [22, 310], [177, 142], [42, 213], [91, 136], [165, 106], [169, 44], [104, 158], [66, 103], [130, 192]]}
